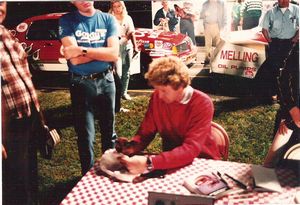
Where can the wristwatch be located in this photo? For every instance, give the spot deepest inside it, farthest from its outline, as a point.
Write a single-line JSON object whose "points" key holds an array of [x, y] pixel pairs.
{"points": [[84, 51], [149, 164]]}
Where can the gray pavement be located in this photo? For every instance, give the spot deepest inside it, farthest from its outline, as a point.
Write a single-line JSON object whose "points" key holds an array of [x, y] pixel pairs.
{"points": [[198, 67]]}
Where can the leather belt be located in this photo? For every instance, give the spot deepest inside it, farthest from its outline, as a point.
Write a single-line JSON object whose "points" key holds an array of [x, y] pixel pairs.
{"points": [[281, 40], [92, 76]]}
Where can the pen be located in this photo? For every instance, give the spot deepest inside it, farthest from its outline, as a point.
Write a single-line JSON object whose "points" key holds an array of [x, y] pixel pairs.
{"points": [[222, 179], [240, 184]]}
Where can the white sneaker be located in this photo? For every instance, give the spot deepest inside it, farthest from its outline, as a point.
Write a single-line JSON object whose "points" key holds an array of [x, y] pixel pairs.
{"points": [[126, 97], [124, 110]]}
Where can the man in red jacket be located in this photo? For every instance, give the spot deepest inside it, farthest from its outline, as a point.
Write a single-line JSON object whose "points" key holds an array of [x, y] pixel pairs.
{"points": [[180, 114]]}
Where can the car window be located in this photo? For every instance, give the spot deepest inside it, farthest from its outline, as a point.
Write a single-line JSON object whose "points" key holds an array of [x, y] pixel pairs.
{"points": [[43, 30]]}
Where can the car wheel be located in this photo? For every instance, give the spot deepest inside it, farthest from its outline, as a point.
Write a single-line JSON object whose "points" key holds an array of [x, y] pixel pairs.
{"points": [[35, 69]]}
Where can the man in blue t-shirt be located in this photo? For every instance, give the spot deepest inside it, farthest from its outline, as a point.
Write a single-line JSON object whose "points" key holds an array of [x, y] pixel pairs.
{"points": [[91, 43]]}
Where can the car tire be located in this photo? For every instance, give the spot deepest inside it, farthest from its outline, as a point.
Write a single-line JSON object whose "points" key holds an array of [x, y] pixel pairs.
{"points": [[34, 70]]}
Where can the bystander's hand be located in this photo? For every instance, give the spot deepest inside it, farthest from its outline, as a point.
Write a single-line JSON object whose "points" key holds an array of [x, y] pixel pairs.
{"points": [[126, 147], [265, 32], [136, 164], [295, 39], [295, 114], [241, 22], [72, 52], [283, 129], [4, 154]]}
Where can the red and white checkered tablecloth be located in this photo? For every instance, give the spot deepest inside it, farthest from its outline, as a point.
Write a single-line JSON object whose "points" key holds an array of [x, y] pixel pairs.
{"points": [[100, 190]]}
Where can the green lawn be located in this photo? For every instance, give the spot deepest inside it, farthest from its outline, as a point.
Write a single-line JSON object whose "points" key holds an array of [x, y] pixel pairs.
{"points": [[248, 123]]}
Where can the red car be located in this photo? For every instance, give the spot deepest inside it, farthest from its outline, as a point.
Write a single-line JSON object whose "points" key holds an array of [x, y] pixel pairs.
{"points": [[39, 36]]}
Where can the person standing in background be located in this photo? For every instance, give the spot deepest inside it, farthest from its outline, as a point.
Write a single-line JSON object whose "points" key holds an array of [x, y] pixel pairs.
{"points": [[280, 27], [165, 15], [187, 18], [128, 45], [90, 40], [213, 14], [288, 132], [236, 15], [250, 13], [20, 109]]}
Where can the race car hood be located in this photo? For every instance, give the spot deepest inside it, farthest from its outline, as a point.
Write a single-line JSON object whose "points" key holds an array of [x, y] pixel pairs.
{"points": [[149, 36], [251, 36]]}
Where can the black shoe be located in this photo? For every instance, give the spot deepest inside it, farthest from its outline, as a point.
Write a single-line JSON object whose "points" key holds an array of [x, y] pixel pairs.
{"points": [[206, 62]]}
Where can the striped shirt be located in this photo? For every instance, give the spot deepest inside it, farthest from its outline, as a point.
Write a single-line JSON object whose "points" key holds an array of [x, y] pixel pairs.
{"points": [[251, 8], [17, 89]]}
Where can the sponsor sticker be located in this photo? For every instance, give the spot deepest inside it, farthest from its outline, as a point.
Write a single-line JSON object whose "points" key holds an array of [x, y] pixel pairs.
{"points": [[22, 27], [158, 44], [167, 45]]}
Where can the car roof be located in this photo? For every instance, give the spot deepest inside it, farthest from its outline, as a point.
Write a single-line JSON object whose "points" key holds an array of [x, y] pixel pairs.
{"points": [[45, 16]]}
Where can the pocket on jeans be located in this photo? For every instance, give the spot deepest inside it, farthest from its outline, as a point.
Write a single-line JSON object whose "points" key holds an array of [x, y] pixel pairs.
{"points": [[109, 77], [74, 81]]}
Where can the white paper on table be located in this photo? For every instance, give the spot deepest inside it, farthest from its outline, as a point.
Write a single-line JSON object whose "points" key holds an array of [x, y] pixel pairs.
{"points": [[265, 179]]}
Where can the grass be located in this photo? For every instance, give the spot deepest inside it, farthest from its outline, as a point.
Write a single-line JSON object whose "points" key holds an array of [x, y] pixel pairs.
{"points": [[248, 123]]}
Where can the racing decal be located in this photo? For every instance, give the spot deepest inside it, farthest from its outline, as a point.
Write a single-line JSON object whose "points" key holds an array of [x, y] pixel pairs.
{"points": [[13, 32], [36, 55], [24, 45], [148, 46], [157, 54], [238, 60], [160, 53], [158, 44], [167, 45], [22, 27], [28, 48], [246, 56], [139, 42]]}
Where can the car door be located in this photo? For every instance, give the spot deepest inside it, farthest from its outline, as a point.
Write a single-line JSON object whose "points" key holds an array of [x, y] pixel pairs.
{"points": [[43, 36]]}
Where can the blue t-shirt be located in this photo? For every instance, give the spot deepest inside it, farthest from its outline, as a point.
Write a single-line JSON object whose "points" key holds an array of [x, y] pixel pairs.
{"points": [[89, 32]]}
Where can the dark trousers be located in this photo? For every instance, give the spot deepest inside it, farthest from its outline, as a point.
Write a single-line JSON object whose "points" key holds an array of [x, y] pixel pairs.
{"points": [[20, 176], [118, 85], [269, 71], [187, 28]]}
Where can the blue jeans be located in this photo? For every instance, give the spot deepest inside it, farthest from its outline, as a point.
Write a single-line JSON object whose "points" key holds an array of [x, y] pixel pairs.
{"points": [[126, 55], [93, 99]]}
